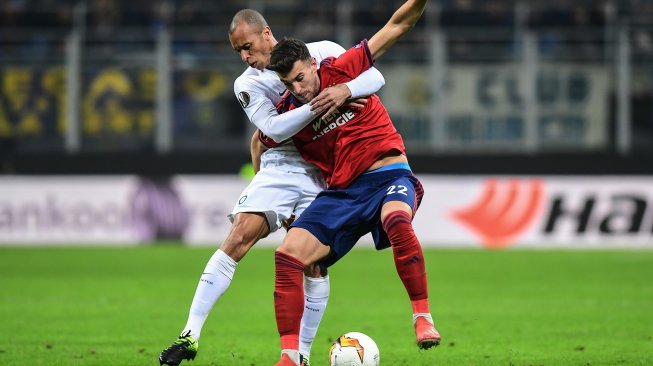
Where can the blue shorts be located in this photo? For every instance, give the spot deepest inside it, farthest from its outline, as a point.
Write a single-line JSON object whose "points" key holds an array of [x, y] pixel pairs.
{"points": [[339, 218]]}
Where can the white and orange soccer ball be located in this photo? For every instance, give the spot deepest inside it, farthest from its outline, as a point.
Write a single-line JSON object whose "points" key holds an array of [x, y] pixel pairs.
{"points": [[354, 349]]}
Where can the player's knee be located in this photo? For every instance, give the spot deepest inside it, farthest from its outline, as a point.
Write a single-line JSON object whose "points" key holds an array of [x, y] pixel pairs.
{"points": [[398, 226], [302, 245], [393, 208], [396, 218], [237, 238], [292, 249], [285, 248], [238, 244]]}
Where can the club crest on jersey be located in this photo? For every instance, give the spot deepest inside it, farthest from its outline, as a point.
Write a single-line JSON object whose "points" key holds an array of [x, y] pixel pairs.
{"points": [[243, 98], [331, 122]]}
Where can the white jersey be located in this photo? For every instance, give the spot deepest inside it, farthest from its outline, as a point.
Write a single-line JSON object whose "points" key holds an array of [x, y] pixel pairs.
{"points": [[259, 91], [286, 184]]}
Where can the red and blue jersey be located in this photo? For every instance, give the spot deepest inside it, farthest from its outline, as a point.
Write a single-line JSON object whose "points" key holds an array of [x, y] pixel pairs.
{"points": [[346, 143]]}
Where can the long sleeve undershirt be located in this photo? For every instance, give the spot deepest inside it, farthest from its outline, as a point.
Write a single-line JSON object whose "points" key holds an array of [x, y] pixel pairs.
{"points": [[280, 127]]}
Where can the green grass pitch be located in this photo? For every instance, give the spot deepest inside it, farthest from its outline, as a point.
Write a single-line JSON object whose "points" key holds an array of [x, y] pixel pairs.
{"points": [[121, 306]]}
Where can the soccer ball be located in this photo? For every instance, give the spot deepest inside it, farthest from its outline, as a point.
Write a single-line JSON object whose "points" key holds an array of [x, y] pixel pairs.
{"points": [[354, 349]]}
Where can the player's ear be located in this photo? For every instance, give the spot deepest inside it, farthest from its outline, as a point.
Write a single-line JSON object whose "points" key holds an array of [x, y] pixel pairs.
{"points": [[267, 32], [313, 63]]}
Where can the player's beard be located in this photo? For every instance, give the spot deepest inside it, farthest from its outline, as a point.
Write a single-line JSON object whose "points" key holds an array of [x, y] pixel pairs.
{"points": [[303, 98], [308, 95]]}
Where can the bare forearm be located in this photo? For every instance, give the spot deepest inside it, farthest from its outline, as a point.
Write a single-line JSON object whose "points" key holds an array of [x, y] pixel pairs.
{"points": [[256, 149], [401, 22]]}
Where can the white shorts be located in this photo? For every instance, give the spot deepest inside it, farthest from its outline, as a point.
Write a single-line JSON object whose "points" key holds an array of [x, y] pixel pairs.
{"points": [[278, 194]]}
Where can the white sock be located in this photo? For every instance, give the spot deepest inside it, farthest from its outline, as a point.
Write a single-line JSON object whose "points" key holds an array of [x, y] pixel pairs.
{"points": [[316, 295], [214, 282], [293, 354]]}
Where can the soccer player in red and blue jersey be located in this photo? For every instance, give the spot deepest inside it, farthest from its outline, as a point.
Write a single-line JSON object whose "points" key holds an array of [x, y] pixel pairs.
{"points": [[370, 185]]}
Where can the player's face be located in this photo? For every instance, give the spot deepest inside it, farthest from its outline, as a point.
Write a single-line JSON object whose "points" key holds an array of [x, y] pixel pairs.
{"points": [[253, 45], [302, 81]]}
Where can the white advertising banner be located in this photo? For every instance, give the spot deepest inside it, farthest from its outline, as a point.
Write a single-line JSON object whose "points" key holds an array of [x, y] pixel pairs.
{"points": [[468, 211], [498, 212], [66, 210], [123, 210]]}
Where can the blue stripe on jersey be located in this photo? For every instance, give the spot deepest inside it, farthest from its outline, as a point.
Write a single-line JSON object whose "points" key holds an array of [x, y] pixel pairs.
{"points": [[390, 167], [368, 53]]}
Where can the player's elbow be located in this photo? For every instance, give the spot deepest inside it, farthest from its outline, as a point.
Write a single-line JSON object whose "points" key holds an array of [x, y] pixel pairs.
{"points": [[273, 130], [381, 80], [376, 77], [256, 147], [278, 137], [402, 29]]}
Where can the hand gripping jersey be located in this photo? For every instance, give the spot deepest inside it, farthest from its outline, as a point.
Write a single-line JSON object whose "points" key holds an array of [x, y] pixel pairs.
{"points": [[258, 91], [346, 143]]}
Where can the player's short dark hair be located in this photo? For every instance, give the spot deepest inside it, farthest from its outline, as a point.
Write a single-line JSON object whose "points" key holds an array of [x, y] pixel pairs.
{"points": [[286, 53]]}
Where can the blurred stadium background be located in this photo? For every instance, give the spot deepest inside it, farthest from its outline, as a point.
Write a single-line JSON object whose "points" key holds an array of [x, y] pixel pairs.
{"points": [[112, 112], [146, 86], [530, 124]]}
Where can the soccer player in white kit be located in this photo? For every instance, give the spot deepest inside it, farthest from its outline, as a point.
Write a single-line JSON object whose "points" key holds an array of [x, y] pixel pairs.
{"points": [[284, 186]]}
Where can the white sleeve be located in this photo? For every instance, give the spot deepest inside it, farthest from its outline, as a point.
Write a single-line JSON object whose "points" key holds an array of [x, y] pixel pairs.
{"points": [[367, 83], [323, 49], [263, 114], [279, 127]]}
